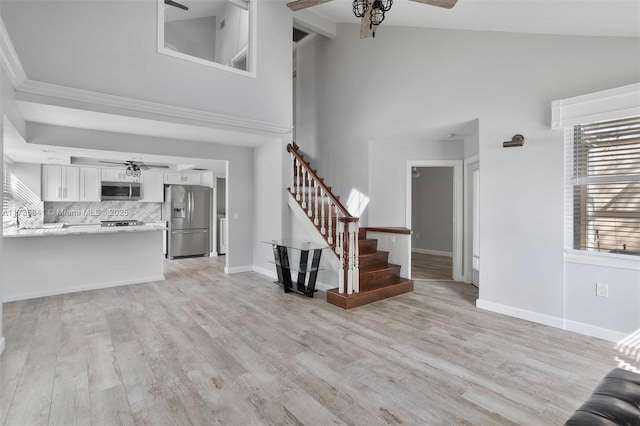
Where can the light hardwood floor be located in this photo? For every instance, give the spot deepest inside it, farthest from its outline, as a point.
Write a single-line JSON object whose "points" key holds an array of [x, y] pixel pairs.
{"points": [[205, 348], [431, 267]]}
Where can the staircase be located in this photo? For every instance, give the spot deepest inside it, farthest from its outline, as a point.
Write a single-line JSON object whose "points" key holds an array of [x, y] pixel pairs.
{"points": [[365, 275]]}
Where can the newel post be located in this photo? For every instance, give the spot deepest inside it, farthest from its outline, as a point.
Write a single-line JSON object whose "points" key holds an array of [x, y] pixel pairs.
{"points": [[348, 252]]}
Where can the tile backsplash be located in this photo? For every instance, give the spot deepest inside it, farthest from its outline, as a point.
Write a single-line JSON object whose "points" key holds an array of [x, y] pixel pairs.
{"points": [[92, 213]]}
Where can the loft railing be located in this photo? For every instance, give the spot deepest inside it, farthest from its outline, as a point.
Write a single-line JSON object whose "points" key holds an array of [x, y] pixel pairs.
{"points": [[334, 222]]}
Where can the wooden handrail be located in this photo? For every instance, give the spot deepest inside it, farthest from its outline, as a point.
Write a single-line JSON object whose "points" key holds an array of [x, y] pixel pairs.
{"points": [[293, 149]]}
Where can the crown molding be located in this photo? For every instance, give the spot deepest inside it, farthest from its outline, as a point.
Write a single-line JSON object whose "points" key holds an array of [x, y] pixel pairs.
{"points": [[9, 58], [39, 88]]}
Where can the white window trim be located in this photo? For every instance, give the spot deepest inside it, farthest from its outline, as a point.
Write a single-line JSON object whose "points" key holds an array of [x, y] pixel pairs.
{"points": [[252, 53], [608, 104]]}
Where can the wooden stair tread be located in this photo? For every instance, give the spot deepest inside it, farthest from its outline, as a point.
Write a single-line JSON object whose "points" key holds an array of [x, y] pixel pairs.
{"points": [[380, 292], [375, 268]]}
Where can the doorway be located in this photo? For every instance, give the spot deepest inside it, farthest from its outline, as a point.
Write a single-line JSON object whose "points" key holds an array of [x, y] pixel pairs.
{"points": [[432, 223], [434, 214]]}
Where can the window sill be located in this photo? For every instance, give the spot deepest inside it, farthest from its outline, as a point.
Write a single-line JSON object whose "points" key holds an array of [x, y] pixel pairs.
{"points": [[609, 260]]}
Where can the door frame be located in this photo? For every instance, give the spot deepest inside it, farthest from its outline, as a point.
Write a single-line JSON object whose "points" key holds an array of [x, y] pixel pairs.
{"points": [[458, 203]]}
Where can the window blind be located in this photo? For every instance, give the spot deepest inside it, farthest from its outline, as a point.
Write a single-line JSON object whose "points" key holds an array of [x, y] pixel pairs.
{"points": [[603, 186], [7, 197]]}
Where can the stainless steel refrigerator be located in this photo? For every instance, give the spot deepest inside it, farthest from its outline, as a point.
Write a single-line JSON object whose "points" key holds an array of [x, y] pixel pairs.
{"points": [[189, 219]]}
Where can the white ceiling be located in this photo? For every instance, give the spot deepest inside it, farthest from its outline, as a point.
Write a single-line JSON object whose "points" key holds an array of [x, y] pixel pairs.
{"points": [[568, 17]]}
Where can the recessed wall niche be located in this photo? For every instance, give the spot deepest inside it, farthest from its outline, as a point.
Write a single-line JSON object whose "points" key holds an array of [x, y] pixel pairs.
{"points": [[216, 33]]}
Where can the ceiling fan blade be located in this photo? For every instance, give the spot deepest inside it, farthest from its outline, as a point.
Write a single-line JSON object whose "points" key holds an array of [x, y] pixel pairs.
{"points": [[302, 4], [366, 29], [153, 166], [440, 3], [176, 4], [112, 162]]}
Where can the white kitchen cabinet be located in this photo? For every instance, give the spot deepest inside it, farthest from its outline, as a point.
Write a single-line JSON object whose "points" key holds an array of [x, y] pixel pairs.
{"points": [[152, 187], [114, 174], [90, 184], [60, 183], [172, 178], [207, 179], [191, 178], [176, 178]]}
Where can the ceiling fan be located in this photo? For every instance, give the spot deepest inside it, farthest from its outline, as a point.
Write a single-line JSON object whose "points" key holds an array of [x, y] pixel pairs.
{"points": [[134, 168], [371, 11], [139, 164]]}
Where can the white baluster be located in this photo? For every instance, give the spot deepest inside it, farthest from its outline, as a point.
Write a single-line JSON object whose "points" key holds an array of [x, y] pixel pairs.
{"points": [[323, 230], [330, 239], [316, 222], [304, 183], [298, 175], [293, 173], [340, 254], [356, 272], [312, 183], [349, 236]]}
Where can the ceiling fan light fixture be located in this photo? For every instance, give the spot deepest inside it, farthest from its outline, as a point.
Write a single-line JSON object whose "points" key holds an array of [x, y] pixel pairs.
{"points": [[377, 13], [385, 5], [360, 7]]}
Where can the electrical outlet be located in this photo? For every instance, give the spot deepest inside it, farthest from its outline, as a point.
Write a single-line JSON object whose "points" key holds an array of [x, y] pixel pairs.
{"points": [[417, 236], [602, 290]]}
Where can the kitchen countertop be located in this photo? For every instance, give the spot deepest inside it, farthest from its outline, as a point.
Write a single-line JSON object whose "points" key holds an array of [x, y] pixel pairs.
{"points": [[50, 230]]}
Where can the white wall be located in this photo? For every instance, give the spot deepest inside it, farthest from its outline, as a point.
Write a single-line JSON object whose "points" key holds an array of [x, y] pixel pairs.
{"points": [[432, 209], [235, 34], [240, 175], [372, 89], [306, 99], [269, 202], [387, 174], [195, 37], [110, 47]]}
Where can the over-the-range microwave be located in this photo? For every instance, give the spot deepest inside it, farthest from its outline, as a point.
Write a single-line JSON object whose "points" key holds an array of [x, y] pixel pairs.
{"points": [[120, 191]]}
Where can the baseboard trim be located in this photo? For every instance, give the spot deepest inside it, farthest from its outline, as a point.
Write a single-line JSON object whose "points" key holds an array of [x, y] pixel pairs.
{"points": [[1, 345], [433, 252], [238, 269], [274, 276], [568, 325], [266, 272], [68, 290], [593, 331], [520, 313]]}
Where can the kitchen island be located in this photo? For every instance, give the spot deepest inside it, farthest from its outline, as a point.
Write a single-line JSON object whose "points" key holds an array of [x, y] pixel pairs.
{"points": [[48, 261]]}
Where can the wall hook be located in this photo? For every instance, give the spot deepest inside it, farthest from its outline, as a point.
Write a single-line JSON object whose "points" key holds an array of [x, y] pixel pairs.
{"points": [[516, 140]]}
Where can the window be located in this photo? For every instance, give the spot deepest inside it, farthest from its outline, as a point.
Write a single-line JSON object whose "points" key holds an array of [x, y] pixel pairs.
{"points": [[603, 186]]}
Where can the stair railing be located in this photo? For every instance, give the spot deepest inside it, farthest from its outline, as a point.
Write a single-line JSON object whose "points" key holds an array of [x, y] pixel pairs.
{"points": [[334, 222]]}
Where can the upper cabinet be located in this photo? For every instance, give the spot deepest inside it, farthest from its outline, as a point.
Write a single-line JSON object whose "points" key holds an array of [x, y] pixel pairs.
{"points": [[171, 178], [90, 184], [152, 187], [113, 174], [60, 183]]}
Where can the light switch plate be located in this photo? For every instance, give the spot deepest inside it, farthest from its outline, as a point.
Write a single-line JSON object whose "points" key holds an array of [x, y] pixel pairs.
{"points": [[602, 290]]}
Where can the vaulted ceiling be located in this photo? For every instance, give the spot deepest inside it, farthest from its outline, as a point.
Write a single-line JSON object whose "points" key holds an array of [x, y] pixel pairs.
{"points": [[569, 17]]}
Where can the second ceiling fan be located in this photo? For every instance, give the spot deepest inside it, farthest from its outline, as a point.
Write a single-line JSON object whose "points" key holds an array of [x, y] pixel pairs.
{"points": [[371, 11]]}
